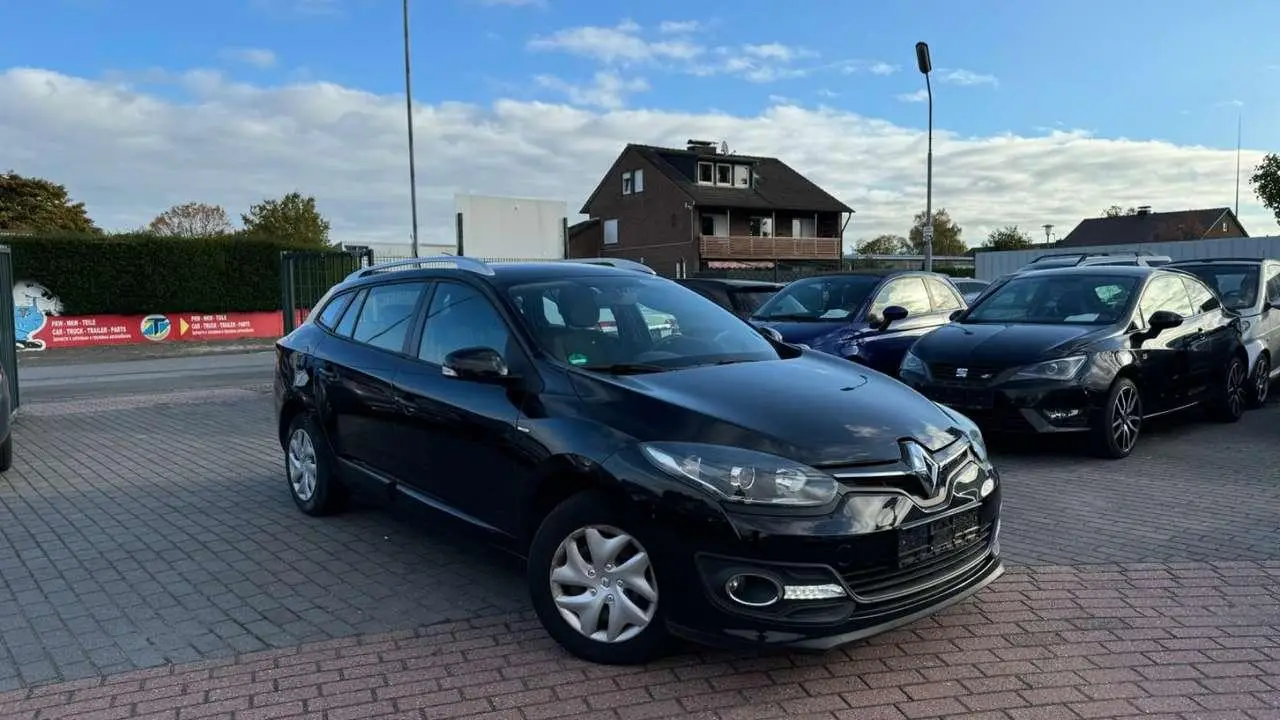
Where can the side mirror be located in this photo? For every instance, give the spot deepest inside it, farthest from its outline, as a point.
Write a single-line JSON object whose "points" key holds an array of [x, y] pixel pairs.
{"points": [[893, 314], [1212, 303], [770, 334], [1162, 320], [955, 314], [475, 363]]}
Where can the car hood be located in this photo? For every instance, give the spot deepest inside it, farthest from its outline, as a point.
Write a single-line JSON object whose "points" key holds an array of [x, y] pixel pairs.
{"points": [[814, 409], [999, 345], [809, 332]]}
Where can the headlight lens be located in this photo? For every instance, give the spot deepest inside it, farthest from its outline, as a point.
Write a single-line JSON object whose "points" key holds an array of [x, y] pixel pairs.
{"points": [[743, 476], [911, 363], [1061, 369], [970, 430]]}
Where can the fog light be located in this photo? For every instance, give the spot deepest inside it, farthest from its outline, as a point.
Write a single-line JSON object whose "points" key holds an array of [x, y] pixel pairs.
{"points": [[1060, 415], [812, 592], [753, 590], [988, 487]]}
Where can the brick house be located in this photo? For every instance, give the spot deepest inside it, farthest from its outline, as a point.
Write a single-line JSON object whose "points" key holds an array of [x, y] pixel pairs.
{"points": [[681, 211], [1144, 226]]}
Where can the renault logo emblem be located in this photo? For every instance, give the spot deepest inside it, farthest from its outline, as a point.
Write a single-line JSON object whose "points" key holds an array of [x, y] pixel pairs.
{"points": [[922, 465]]}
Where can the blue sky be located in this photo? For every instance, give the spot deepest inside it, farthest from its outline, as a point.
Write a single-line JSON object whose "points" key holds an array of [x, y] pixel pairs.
{"points": [[1166, 69]]}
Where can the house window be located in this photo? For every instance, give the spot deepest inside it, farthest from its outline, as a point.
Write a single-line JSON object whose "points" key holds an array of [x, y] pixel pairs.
{"points": [[706, 173], [627, 183], [803, 228], [708, 225], [761, 227], [742, 175], [637, 182], [611, 232], [724, 174]]}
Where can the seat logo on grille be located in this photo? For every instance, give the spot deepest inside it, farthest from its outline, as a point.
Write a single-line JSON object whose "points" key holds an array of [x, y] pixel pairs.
{"points": [[922, 465], [962, 372]]}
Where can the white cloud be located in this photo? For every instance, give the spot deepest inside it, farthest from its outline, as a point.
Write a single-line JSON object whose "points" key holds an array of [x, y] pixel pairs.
{"points": [[607, 90], [918, 96], [619, 44], [966, 77], [129, 154], [679, 27], [858, 67], [777, 51], [257, 57]]}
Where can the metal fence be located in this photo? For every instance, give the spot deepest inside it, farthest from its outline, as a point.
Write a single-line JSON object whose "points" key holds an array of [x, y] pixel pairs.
{"points": [[8, 336], [785, 273], [305, 276]]}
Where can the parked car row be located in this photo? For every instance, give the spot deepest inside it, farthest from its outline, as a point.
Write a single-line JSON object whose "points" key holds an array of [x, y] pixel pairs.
{"points": [[709, 481]]}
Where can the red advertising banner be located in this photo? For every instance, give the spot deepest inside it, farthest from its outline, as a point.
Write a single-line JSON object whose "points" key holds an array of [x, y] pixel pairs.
{"points": [[61, 331]]}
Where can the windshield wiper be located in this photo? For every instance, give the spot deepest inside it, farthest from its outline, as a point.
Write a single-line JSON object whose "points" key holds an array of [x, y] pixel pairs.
{"points": [[625, 368]]}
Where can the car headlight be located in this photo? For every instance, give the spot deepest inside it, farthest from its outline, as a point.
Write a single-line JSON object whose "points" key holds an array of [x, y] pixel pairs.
{"points": [[970, 430], [743, 476], [911, 363], [1061, 369]]}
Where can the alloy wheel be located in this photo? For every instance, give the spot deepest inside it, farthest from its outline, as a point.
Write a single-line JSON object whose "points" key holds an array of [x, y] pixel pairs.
{"points": [[302, 464], [1262, 383], [603, 584], [1235, 387], [1126, 419]]}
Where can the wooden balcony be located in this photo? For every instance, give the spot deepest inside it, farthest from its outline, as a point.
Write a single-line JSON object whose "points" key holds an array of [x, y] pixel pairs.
{"points": [[742, 247]]}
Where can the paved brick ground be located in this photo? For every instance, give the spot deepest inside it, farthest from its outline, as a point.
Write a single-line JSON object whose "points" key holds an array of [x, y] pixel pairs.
{"points": [[152, 531]]}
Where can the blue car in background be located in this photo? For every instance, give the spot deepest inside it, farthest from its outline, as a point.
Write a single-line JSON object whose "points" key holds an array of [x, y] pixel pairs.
{"points": [[871, 317]]}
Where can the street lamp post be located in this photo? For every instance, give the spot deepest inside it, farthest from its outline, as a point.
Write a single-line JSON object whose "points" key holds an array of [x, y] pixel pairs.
{"points": [[926, 66], [408, 110]]}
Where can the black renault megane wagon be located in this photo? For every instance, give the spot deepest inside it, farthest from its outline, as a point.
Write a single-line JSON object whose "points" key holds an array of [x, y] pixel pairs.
{"points": [[710, 482]]}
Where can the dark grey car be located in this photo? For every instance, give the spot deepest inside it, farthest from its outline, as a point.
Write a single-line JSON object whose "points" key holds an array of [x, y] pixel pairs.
{"points": [[1250, 287]]}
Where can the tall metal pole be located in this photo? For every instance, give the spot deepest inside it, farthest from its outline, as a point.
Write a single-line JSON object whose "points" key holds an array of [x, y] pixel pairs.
{"points": [[925, 64], [408, 110], [1239, 128]]}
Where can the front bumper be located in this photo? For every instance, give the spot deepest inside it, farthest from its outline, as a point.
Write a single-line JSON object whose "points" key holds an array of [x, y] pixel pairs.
{"points": [[890, 560], [1026, 406]]}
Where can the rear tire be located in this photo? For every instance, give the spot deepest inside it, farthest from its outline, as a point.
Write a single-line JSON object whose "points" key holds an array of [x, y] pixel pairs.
{"points": [[310, 468], [6, 453], [1116, 430], [1260, 383], [1230, 395], [593, 580]]}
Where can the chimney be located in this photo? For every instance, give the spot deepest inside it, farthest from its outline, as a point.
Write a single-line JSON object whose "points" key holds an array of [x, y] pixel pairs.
{"points": [[1144, 209], [701, 147]]}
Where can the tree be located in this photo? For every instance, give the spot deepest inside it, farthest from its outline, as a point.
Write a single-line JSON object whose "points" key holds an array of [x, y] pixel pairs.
{"points": [[1117, 211], [946, 235], [292, 217], [38, 206], [1008, 238], [193, 219], [1266, 183], [887, 244]]}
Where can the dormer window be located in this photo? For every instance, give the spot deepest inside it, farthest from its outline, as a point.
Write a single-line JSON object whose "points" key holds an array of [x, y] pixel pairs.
{"points": [[741, 176], [724, 174], [706, 173]]}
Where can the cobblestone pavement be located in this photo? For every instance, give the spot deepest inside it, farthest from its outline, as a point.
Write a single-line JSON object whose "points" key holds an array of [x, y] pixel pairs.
{"points": [[150, 532]]}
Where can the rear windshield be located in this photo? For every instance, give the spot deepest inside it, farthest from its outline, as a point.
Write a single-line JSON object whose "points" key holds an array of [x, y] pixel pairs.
{"points": [[1237, 285]]}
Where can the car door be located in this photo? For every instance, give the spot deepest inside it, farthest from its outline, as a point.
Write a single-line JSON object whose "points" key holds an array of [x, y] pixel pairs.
{"points": [[464, 450], [1211, 341], [358, 369], [883, 350], [1163, 359]]}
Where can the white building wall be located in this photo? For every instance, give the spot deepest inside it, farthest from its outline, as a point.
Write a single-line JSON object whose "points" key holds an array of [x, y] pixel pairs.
{"points": [[990, 264], [512, 228]]}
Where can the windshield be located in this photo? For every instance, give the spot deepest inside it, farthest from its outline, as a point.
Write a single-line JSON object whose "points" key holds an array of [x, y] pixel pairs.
{"points": [[752, 299], [825, 298], [1057, 299], [633, 324], [1236, 284]]}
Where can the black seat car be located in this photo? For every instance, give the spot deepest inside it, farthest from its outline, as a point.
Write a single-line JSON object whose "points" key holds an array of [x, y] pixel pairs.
{"points": [[741, 297], [1249, 287], [712, 483], [1094, 349], [870, 317]]}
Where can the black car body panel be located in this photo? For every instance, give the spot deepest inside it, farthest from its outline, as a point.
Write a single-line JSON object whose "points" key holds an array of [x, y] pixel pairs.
{"points": [[900, 540], [984, 369], [801, 310]]}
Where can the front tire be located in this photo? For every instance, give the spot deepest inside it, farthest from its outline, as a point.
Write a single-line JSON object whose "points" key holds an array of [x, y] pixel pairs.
{"points": [[594, 583], [1115, 431], [310, 469], [1260, 382], [6, 453], [1231, 393]]}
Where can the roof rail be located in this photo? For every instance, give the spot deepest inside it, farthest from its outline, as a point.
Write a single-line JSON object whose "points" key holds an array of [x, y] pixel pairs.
{"points": [[1185, 261], [621, 263], [455, 261]]}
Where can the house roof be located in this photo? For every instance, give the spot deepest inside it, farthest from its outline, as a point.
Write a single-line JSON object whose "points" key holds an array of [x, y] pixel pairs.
{"points": [[1148, 227], [778, 186]]}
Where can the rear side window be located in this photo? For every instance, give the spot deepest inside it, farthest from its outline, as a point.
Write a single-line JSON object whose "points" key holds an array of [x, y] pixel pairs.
{"points": [[332, 311], [348, 322], [385, 318]]}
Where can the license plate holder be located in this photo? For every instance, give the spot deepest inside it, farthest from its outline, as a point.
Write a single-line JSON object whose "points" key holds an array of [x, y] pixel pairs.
{"points": [[940, 537], [961, 397]]}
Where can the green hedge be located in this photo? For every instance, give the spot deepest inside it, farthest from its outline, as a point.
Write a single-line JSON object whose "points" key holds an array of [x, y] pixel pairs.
{"points": [[140, 274]]}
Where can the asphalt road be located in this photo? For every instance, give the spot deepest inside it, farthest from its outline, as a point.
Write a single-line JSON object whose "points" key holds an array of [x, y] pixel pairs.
{"points": [[159, 375]]}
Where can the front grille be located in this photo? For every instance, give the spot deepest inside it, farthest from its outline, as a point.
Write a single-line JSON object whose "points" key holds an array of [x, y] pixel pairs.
{"points": [[968, 374], [886, 582], [950, 459]]}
